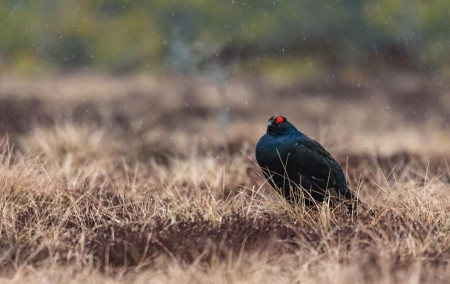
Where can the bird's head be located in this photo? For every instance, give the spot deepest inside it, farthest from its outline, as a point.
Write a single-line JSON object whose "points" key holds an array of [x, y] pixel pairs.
{"points": [[278, 125]]}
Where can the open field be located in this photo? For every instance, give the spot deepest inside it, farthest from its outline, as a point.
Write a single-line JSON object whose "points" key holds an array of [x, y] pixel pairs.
{"points": [[141, 178]]}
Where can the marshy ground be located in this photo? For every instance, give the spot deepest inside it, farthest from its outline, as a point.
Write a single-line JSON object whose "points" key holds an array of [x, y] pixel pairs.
{"points": [[140, 178]]}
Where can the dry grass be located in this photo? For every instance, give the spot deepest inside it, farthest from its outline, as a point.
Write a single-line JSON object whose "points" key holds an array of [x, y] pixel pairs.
{"points": [[139, 187]]}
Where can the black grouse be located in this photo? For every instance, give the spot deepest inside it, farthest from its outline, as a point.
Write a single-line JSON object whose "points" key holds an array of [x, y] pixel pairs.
{"points": [[290, 160]]}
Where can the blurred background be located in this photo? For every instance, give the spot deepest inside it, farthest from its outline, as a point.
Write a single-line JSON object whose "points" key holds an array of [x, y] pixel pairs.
{"points": [[366, 73], [127, 36]]}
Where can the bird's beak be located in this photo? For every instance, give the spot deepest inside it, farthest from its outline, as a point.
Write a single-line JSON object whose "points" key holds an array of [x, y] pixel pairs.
{"points": [[271, 120]]}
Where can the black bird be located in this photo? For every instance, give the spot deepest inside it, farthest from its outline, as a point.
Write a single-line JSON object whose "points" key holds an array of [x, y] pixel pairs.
{"points": [[290, 160]]}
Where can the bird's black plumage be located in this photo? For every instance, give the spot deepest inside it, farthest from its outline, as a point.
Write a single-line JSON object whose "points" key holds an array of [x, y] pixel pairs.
{"points": [[290, 160]]}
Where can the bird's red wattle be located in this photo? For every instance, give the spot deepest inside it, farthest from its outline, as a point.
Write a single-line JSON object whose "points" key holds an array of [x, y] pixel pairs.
{"points": [[279, 120]]}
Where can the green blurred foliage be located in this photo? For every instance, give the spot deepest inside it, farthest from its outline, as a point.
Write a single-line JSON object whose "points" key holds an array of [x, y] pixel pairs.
{"points": [[121, 36]]}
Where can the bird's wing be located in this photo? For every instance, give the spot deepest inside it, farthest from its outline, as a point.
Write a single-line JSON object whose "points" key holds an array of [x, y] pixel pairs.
{"points": [[317, 164]]}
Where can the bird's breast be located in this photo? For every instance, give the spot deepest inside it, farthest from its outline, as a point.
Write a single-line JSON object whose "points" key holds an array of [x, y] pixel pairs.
{"points": [[273, 150]]}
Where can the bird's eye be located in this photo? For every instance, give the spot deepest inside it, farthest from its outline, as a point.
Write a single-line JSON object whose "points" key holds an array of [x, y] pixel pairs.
{"points": [[279, 120]]}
